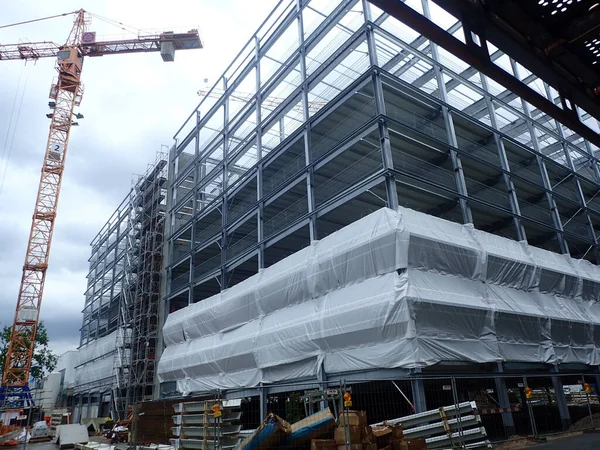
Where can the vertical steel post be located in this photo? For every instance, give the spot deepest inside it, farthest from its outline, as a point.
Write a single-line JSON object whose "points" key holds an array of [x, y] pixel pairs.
{"points": [[260, 212], [561, 400], [504, 401], [530, 411], [510, 187], [459, 175], [458, 415], [384, 135], [418, 394], [224, 221], [310, 185], [542, 167], [590, 223], [587, 396]]}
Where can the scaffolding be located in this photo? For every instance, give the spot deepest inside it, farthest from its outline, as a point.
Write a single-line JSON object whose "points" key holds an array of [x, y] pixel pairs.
{"points": [[148, 212], [119, 330]]}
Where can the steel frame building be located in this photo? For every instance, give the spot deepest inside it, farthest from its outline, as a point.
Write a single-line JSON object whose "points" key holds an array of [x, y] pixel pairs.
{"points": [[351, 110], [334, 110], [120, 318]]}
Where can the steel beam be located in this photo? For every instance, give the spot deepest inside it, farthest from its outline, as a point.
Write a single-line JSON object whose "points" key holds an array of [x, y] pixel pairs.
{"points": [[474, 55]]}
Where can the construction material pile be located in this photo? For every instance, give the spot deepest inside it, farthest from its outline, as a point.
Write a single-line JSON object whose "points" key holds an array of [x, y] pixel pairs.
{"points": [[437, 429], [321, 432]]}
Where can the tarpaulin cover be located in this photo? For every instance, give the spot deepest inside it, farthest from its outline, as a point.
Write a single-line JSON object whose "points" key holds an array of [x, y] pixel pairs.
{"points": [[311, 427], [269, 434], [96, 360], [394, 289]]}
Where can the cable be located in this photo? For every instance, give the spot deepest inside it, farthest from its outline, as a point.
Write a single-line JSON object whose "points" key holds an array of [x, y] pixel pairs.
{"points": [[12, 113], [117, 24], [37, 20], [16, 124]]}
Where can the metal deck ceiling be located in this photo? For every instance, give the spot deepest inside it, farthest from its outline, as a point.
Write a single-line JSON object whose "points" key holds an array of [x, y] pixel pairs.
{"points": [[556, 40], [567, 32]]}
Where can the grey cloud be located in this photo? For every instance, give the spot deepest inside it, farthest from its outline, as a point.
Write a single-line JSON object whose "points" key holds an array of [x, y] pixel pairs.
{"points": [[132, 105]]}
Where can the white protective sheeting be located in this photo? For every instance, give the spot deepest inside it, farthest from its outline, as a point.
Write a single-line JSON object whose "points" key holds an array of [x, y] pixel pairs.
{"points": [[394, 289], [96, 360]]}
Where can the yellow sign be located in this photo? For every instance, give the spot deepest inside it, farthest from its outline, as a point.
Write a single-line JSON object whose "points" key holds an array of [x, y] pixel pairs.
{"points": [[347, 400]]}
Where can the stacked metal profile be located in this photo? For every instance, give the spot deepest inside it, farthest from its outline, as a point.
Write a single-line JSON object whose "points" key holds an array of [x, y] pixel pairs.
{"points": [[196, 426], [446, 427]]}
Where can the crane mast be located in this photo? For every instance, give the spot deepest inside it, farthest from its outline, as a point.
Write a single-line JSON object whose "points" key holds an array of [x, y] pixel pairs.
{"points": [[66, 95], [67, 92]]}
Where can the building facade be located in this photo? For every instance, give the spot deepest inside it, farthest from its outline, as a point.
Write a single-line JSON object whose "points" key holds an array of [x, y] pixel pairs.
{"points": [[347, 111], [350, 110]]}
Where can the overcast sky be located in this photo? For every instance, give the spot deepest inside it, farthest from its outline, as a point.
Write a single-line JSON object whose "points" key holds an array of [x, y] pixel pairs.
{"points": [[132, 104]]}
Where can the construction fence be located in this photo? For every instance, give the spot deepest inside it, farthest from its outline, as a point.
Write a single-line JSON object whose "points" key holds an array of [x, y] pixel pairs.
{"points": [[472, 412]]}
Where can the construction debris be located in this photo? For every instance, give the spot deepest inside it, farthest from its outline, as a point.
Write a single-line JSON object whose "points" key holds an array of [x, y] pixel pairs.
{"points": [[40, 432], [69, 435], [312, 427]]}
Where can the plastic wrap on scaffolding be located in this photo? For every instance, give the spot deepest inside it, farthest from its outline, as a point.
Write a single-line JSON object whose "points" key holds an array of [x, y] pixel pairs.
{"points": [[395, 289], [95, 360]]}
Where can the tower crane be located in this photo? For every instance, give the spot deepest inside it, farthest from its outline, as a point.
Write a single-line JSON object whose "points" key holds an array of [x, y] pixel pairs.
{"points": [[65, 95]]}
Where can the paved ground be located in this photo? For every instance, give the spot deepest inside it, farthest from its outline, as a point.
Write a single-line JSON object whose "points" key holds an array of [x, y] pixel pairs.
{"points": [[590, 441]]}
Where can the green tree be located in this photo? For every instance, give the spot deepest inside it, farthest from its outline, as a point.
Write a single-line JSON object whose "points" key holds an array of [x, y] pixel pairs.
{"points": [[44, 359], [293, 408]]}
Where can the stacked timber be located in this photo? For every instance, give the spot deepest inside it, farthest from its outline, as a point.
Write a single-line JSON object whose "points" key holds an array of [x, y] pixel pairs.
{"points": [[155, 422]]}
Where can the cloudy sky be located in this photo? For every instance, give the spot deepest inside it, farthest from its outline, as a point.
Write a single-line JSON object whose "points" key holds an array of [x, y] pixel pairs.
{"points": [[132, 105]]}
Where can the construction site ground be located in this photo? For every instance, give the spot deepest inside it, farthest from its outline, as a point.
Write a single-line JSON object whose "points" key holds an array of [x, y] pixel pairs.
{"points": [[573, 440]]}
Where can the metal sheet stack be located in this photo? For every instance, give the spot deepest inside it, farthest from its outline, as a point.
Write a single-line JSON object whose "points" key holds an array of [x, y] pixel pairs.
{"points": [[196, 426], [445, 427]]}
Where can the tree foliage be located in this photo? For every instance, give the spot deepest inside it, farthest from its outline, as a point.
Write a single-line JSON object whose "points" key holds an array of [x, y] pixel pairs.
{"points": [[44, 359]]}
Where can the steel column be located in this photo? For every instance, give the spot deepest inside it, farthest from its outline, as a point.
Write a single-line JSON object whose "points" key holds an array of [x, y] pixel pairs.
{"points": [[590, 223], [310, 184], [561, 400], [259, 172], [510, 187], [564, 248], [459, 175], [418, 395], [384, 135], [503, 400]]}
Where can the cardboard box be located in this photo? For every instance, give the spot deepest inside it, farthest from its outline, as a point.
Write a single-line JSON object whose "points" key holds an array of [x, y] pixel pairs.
{"points": [[367, 435], [350, 418], [353, 418], [323, 444], [416, 444], [353, 434], [399, 445], [382, 435], [370, 447], [397, 432], [350, 447]]}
